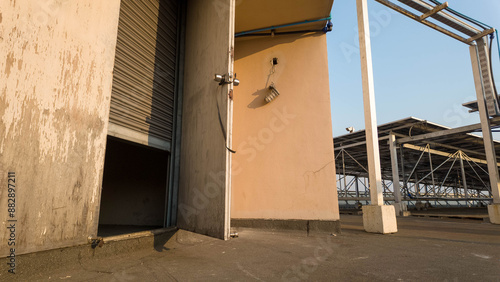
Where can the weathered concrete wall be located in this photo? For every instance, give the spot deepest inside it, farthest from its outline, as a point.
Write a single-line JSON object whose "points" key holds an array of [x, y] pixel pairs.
{"points": [[284, 168], [203, 204], [56, 61]]}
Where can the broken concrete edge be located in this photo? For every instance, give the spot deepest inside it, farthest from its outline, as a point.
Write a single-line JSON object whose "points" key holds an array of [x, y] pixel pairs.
{"points": [[494, 213], [309, 226], [48, 261]]}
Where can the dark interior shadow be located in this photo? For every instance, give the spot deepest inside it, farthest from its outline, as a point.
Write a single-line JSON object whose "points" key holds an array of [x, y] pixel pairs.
{"points": [[133, 193]]}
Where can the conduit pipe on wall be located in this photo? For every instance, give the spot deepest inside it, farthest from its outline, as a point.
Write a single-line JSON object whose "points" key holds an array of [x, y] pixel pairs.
{"points": [[326, 29]]}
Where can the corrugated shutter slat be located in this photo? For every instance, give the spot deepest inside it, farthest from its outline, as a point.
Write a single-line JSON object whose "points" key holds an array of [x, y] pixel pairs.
{"points": [[142, 99]]}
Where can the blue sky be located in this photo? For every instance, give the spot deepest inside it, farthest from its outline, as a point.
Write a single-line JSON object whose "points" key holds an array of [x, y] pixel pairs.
{"points": [[418, 71]]}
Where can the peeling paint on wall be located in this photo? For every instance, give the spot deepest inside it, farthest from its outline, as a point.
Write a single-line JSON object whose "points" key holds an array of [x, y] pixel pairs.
{"points": [[55, 83]]}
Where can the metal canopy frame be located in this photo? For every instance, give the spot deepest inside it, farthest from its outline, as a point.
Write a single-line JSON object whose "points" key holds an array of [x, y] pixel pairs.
{"points": [[463, 30], [434, 163], [470, 32]]}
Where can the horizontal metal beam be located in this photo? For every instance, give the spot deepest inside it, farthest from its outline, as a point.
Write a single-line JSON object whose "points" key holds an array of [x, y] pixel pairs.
{"points": [[447, 132], [391, 199], [425, 22], [443, 17], [442, 133], [358, 144], [434, 11], [441, 153], [481, 35], [455, 148]]}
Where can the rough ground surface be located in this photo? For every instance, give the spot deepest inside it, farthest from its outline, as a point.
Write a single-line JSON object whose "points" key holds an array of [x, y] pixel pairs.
{"points": [[424, 249]]}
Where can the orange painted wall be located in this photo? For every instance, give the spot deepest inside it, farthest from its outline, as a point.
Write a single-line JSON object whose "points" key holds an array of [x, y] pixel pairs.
{"points": [[284, 166]]}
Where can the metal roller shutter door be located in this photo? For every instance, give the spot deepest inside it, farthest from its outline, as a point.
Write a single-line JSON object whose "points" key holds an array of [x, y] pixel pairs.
{"points": [[142, 97]]}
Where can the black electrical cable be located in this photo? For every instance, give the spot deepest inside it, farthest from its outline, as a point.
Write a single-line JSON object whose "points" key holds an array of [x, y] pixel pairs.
{"points": [[224, 134]]}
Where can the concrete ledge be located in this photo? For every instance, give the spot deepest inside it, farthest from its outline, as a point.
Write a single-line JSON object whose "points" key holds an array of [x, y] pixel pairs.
{"points": [[52, 260], [379, 219], [494, 213], [309, 226]]}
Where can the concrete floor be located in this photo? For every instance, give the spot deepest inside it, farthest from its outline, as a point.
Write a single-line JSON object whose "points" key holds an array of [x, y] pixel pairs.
{"points": [[424, 249], [464, 213]]}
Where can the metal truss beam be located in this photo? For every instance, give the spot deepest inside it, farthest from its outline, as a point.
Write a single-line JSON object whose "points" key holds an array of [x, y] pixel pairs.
{"points": [[441, 153], [443, 133]]}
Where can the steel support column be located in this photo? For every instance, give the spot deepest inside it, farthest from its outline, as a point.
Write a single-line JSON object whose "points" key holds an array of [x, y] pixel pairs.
{"points": [[343, 172], [485, 122], [357, 186], [395, 173], [464, 178]]}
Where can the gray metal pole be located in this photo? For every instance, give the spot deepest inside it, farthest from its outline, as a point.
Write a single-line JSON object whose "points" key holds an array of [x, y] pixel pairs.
{"points": [[432, 170], [402, 168], [455, 189], [343, 172], [395, 170], [416, 186], [464, 179], [357, 186]]}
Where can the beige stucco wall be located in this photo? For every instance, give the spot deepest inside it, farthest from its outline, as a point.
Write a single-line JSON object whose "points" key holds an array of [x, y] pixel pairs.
{"points": [[56, 61], [284, 165]]}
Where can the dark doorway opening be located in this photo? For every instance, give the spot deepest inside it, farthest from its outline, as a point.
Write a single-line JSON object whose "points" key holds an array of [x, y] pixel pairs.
{"points": [[134, 188]]}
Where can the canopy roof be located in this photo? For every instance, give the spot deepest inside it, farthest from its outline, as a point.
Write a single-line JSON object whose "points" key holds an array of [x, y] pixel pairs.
{"points": [[442, 142], [260, 14]]}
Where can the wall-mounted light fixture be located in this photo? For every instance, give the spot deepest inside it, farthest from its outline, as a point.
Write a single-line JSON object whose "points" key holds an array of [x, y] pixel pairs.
{"points": [[219, 78], [236, 81], [223, 79], [273, 95]]}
